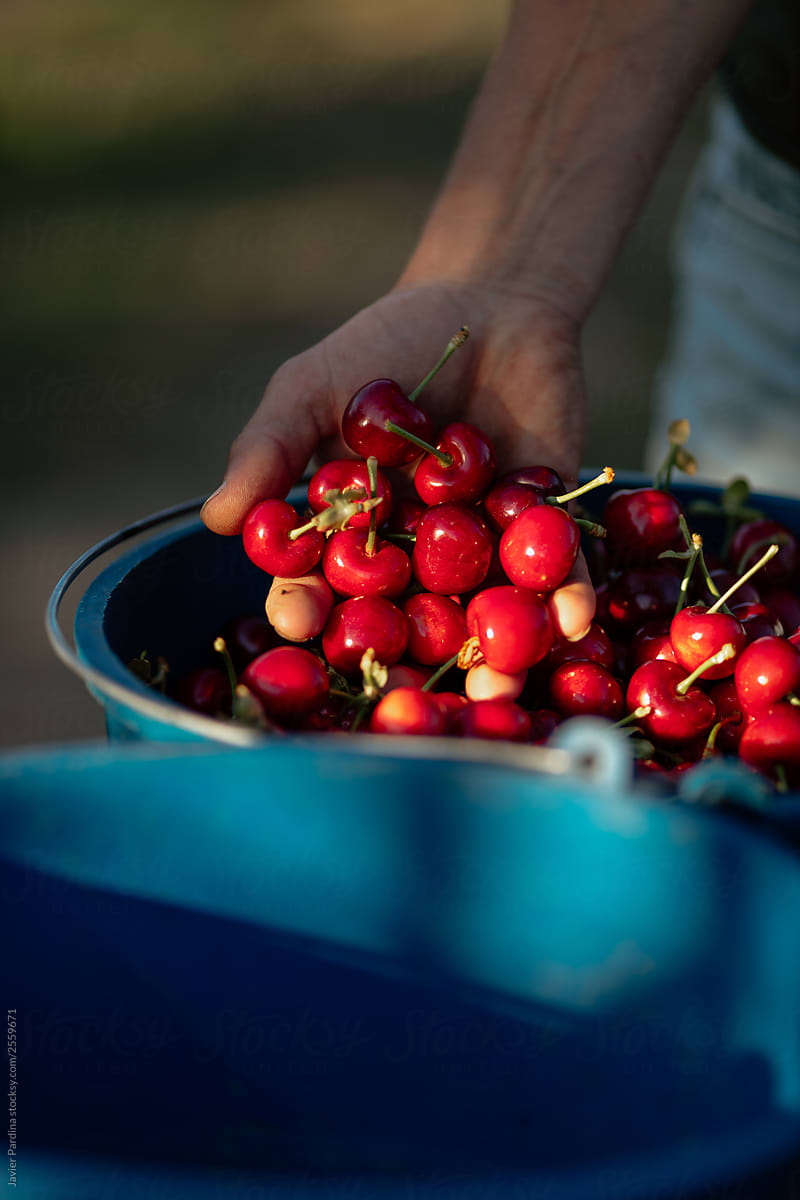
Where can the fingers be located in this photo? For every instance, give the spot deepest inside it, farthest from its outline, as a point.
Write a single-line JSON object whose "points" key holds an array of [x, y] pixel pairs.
{"points": [[272, 451], [572, 606]]}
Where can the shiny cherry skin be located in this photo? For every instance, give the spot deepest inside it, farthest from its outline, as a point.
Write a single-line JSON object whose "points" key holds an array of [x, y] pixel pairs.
{"points": [[783, 604], [766, 671], [697, 634], [496, 720], [409, 710], [267, 543], [363, 428], [651, 641], [351, 571], [289, 681], [594, 646], [513, 627], [437, 628], [405, 516], [757, 620], [539, 548], [343, 474], [723, 579], [362, 622], [642, 594], [640, 524], [406, 674], [453, 549], [471, 472], [586, 689], [451, 704], [205, 690], [518, 490], [772, 738], [752, 539], [544, 722], [729, 713], [674, 718], [248, 636]]}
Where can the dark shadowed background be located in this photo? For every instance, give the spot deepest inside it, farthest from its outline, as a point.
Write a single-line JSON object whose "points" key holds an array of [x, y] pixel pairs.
{"points": [[192, 191]]}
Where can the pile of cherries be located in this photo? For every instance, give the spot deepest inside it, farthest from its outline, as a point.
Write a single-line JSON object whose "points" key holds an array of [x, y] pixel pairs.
{"points": [[433, 614]]}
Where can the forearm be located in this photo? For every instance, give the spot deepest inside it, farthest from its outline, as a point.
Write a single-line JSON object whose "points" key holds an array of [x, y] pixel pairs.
{"points": [[564, 139]]}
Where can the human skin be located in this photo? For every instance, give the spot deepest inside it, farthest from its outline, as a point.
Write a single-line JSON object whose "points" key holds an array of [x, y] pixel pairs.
{"points": [[563, 141]]}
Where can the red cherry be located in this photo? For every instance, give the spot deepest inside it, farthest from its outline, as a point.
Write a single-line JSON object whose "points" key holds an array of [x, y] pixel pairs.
{"points": [[470, 473], [766, 671], [342, 474], [543, 723], [729, 712], [406, 674], [674, 718], [640, 524], [437, 628], [651, 641], [267, 543], [642, 594], [358, 624], [408, 710], [586, 689], [496, 720], [753, 538], [364, 419], [453, 549], [351, 571], [594, 646], [451, 704], [783, 604], [513, 627], [205, 690], [405, 516], [519, 490], [246, 638], [697, 634], [723, 579], [539, 548], [289, 681], [757, 620], [772, 739]]}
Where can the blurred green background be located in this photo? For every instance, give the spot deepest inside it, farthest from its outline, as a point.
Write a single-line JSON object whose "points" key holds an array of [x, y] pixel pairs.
{"points": [[191, 192]]}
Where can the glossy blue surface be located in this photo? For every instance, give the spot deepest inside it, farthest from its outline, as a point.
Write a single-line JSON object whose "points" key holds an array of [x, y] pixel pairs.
{"points": [[321, 975]]}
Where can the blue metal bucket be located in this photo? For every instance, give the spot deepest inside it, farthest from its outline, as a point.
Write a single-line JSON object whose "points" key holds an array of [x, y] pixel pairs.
{"points": [[258, 972]]}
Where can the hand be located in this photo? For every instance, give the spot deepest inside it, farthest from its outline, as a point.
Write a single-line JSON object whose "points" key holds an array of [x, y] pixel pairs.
{"points": [[518, 378]]}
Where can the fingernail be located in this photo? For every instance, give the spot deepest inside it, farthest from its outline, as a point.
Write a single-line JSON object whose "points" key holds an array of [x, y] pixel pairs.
{"points": [[576, 637], [213, 496]]}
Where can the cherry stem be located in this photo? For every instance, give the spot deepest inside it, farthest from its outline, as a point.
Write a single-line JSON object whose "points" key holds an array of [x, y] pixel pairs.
{"points": [[697, 549], [711, 740], [605, 476], [402, 537], [444, 458], [372, 472], [456, 341], [781, 782], [439, 672], [793, 699], [765, 557], [777, 541], [591, 527], [716, 660], [222, 649], [643, 710]]}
